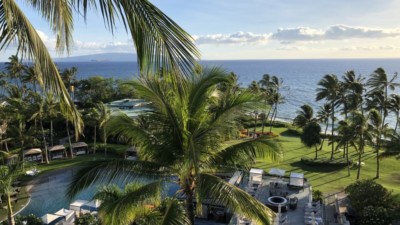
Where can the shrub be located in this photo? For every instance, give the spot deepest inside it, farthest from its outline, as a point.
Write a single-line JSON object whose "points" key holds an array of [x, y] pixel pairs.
{"points": [[317, 195], [341, 162], [29, 219], [87, 219], [375, 215]]}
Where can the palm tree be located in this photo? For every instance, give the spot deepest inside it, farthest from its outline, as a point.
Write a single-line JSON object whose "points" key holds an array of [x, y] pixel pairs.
{"points": [[187, 135], [92, 118], [39, 114], [140, 203], [7, 177], [31, 76], [159, 41], [15, 69], [380, 84], [328, 89], [377, 132], [304, 116], [394, 104], [68, 76], [104, 115], [354, 132], [323, 115]]}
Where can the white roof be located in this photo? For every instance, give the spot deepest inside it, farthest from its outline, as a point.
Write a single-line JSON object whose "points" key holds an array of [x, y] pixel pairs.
{"points": [[32, 151], [256, 171], [56, 148], [93, 204], [48, 218], [64, 212], [297, 175], [277, 171], [79, 203]]}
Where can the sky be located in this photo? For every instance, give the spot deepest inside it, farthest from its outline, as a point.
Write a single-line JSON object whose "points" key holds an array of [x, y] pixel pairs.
{"points": [[255, 29]]}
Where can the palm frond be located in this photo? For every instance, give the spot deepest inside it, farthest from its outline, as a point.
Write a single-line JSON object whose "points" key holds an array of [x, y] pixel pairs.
{"points": [[174, 213], [236, 199], [107, 171], [16, 27]]}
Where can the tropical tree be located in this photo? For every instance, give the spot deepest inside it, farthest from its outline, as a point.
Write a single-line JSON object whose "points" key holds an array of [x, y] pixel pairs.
{"points": [[68, 76], [276, 98], [394, 104], [7, 177], [304, 116], [311, 136], [188, 135], [15, 69], [377, 133], [104, 115], [323, 115], [39, 113], [31, 76], [329, 87], [140, 203], [159, 41]]}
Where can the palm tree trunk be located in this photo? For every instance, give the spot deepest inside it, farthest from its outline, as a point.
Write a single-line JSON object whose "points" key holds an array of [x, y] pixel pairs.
{"points": [[332, 127], [11, 220], [190, 207], [51, 133], [46, 156], [397, 121], [316, 152], [323, 139], [273, 116], [69, 140], [94, 140], [105, 141]]}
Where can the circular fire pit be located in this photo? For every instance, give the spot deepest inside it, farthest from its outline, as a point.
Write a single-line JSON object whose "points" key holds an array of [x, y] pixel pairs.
{"points": [[273, 203]]}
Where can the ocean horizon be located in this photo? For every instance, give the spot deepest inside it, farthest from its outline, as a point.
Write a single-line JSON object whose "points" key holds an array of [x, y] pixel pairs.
{"points": [[300, 76]]}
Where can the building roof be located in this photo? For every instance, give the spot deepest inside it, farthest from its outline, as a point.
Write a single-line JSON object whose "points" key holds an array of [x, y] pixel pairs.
{"points": [[32, 151], [79, 145], [56, 148]]}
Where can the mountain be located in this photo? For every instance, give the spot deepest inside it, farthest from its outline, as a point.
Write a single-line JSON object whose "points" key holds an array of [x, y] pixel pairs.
{"points": [[105, 57]]}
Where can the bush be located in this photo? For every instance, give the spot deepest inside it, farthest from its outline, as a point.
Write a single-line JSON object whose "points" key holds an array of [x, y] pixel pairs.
{"points": [[375, 215], [87, 219], [341, 162], [29, 219], [317, 195]]}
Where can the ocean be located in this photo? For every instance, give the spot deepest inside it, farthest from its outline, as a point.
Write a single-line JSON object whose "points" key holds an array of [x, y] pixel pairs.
{"points": [[300, 77]]}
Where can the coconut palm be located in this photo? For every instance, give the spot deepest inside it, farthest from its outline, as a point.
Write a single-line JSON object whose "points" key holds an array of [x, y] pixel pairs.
{"points": [[377, 132], [188, 136], [323, 115], [68, 76], [31, 76], [380, 84], [104, 114], [140, 203], [329, 87], [304, 116], [7, 177], [354, 132], [15, 69], [39, 113], [355, 90], [394, 104], [159, 42]]}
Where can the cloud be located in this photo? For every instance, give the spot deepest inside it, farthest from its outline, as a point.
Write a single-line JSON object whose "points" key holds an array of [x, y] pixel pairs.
{"points": [[104, 46], [370, 48], [334, 32], [235, 38]]}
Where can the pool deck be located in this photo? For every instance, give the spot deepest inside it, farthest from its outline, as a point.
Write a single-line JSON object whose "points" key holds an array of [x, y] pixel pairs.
{"points": [[293, 217]]}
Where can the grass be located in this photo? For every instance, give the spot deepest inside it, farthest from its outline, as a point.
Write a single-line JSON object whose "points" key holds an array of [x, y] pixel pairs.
{"points": [[330, 180]]}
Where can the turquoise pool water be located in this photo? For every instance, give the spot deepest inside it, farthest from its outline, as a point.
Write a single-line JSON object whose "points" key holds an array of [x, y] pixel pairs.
{"points": [[48, 194]]}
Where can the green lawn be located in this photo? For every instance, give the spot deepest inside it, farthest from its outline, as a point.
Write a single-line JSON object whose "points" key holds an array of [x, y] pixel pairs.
{"points": [[330, 180]]}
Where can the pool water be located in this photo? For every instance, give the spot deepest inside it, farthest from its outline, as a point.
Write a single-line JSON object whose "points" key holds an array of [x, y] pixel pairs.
{"points": [[48, 195]]}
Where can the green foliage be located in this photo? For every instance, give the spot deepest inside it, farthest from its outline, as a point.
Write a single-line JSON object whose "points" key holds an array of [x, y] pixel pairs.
{"points": [[311, 135], [375, 215], [29, 219], [317, 195], [340, 162], [87, 219]]}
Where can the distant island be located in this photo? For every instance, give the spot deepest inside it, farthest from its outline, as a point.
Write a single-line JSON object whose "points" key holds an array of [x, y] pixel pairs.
{"points": [[104, 57]]}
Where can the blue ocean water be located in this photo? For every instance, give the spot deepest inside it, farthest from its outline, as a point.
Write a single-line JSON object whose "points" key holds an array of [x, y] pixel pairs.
{"points": [[300, 77]]}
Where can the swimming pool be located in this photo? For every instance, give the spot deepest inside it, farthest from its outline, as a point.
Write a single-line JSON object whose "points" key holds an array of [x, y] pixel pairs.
{"points": [[48, 193]]}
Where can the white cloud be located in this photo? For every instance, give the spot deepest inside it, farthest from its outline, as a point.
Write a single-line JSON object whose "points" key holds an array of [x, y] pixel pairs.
{"points": [[334, 32], [235, 38], [105, 46]]}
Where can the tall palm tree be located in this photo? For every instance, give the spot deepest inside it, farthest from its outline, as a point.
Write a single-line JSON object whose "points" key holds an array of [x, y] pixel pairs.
{"points": [[377, 132], [159, 41], [104, 115], [394, 103], [304, 116], [31, 76], [354, 132], [15, 69], [188, 135], [7, 177], [328, 89], [380, 84], [323, 115], [39, 113]]}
